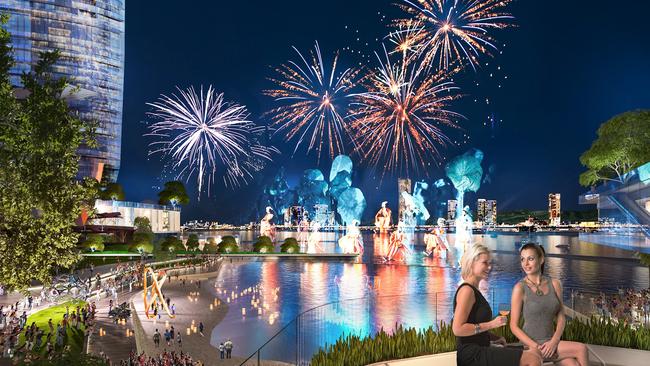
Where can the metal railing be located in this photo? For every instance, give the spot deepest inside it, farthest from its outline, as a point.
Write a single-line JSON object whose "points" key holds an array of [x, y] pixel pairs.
{"points": [[298, 340]]}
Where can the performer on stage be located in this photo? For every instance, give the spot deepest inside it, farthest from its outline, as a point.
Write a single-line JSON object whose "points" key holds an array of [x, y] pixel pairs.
{"points": [[436, 240], [303, 231], [397, 245], [383, 218], [352, 241], [313, 243], [266, 225]]}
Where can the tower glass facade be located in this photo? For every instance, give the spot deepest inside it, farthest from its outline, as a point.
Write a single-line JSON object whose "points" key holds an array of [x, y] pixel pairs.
{"points": [[90, 36]]}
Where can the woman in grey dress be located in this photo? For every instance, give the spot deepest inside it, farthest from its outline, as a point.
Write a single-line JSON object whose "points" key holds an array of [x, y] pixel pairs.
{"points": [[538, 299]]}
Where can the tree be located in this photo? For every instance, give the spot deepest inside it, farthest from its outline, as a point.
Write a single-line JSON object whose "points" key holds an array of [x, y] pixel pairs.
{"points": [[174, 193], [172, 244], [141, 243], [264, 244], [621, 146], [142, 224], [94, 242], [228, 244], [40, 197], [192, 242], [112, 191], [290, 245]]}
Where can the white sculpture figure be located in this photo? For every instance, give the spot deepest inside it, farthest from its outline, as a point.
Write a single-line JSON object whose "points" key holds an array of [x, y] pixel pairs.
{"points": [[409, 212], [266, 225], [436, 240], [463, 232], [303, 231], [352, 241], [383, 218], [313, 243], [397, 245]]}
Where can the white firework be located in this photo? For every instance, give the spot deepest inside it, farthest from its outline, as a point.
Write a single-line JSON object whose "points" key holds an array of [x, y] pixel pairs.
{"points": [[205, 135]]}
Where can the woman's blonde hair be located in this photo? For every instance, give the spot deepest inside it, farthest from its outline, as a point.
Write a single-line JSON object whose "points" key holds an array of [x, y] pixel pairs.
{"points": [[471, 256]]}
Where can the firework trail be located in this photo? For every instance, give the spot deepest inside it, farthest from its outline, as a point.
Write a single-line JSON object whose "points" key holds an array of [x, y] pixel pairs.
{"points": [[454, 31], [203, 134], [314, 102], [398, 121]]}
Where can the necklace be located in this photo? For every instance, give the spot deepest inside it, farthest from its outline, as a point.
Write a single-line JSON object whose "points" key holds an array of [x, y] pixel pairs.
{"points": [[538, 291]]}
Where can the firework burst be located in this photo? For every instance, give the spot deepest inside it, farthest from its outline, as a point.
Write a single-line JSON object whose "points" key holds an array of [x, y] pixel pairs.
{"points": [[204, 135], [314, 102], [455, 30], [399, 120]]}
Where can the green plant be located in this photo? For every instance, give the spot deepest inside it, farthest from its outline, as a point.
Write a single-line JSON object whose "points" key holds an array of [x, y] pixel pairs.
{"points": [[192, 242], [174, 193], [141, 243], [605, 332], [171, 244], [290, 245], [228, 244], [403, 343], [94, 243], [112, 191], [264, 244]]}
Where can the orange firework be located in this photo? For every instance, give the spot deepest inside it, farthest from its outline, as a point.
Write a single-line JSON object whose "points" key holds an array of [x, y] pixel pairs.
{"points": [[398, 122], [452, 31], [314, 103]]}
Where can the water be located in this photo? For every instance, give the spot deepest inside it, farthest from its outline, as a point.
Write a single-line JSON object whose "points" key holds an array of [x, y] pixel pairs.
{"points": [[417, 293]]}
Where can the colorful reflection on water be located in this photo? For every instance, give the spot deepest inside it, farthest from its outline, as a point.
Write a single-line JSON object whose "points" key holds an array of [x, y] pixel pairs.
{"points": [[365, 296]]}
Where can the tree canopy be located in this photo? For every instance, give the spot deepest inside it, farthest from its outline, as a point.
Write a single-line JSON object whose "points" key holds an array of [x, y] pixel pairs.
{"points": [[40, 197], [621, 146], [112, 191], [174, 193]]}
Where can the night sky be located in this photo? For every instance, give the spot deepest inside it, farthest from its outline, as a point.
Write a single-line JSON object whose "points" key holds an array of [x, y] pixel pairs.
{"points": [[569, 68]]}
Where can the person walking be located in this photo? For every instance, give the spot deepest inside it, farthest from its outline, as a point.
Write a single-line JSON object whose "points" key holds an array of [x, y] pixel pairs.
{"points": [[201, 328], [222, 350], [156, 338], [179, 340], [228, 345]]}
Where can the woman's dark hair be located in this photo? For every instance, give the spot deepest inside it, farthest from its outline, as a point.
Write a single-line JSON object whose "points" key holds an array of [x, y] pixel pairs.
{"points": [[538, 249]]}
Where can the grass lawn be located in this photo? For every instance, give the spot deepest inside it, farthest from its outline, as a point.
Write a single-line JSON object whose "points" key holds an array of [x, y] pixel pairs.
{"points": [[75, 337]]}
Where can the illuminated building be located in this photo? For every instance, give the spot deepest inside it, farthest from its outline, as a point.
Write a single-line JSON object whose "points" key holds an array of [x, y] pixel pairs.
{"points": [[491, 213], [163, 219], [90, 36], [554, 209], [481, 209], [451, 210]]}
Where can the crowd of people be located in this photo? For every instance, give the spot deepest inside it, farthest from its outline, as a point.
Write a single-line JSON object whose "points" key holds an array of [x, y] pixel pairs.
{"points": [[627, 305], [166, 358], [42, 342]]}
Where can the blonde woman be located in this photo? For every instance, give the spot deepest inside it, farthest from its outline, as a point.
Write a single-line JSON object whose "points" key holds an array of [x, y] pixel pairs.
{"points": [[538, 299], [473, 319]]}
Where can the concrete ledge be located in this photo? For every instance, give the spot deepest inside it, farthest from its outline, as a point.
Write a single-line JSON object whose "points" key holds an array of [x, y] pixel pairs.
{"points": [[598, 355]]}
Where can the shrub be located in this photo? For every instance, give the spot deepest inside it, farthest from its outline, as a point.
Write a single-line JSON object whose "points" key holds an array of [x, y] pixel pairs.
{"points": [[171, 244], [290, 245], [403, 343], [141, 243], [94, 243], [228, 244], [210, 247], [192, 242], [263, 245]]}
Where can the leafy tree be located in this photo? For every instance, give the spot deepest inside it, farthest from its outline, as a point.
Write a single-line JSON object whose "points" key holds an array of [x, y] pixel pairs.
{"points": [[264, 244], [174, 193], [621, 146], [192, 242], [290, 245], [112, 191], [172, 244], [141, 243], [142, 224], [228, 244], [40, 197], [94, 243]]}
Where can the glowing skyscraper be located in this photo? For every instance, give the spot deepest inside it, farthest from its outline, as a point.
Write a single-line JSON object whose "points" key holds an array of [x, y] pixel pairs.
{"points": [[90, 36]]}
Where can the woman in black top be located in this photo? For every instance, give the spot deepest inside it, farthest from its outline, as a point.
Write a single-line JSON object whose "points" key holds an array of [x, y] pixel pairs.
{"points": [[472, 319]]}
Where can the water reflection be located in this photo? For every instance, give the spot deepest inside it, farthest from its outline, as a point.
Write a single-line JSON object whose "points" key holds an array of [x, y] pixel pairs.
{"points": [[418, 293]]}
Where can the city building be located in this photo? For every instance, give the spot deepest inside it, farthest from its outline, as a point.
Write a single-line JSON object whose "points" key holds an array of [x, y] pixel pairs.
{"points": [[90, 36], [491, 213], [554, 209], [451, 210], [623, 211], [481, 209], [164, 219]]}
